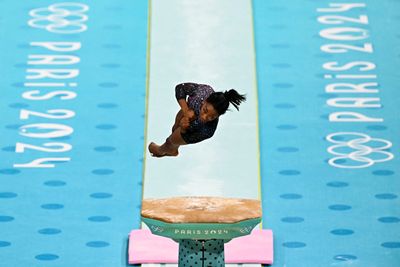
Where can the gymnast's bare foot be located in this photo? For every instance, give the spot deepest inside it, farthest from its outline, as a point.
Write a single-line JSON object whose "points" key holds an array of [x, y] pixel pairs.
{"points": [[154, 149]]}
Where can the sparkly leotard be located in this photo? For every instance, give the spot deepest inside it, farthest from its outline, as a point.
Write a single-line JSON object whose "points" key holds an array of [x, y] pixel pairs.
{"points": [[196, 94]]}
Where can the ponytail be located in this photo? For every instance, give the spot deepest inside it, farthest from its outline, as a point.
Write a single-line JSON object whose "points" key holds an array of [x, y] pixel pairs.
{"points": [[234, 98], [221, 101]]}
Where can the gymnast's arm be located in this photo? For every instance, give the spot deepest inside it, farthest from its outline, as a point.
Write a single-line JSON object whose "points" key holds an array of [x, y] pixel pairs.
{"points": [[181, 92]]}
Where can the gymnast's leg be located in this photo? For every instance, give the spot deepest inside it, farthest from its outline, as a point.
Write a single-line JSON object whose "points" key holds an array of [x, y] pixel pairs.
{"points": [[178, 119]]}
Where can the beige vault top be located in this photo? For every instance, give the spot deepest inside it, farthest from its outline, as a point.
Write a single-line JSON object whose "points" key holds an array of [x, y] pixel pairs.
{"points": [[201, 209]]}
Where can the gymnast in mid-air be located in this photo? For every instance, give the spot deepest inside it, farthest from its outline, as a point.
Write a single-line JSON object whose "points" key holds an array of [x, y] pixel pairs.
{"points": [[198, 117]]}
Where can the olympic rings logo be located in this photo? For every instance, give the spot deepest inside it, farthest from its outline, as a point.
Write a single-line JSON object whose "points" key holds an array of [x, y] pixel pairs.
{"points": [[157, 229], [66, 18], [361, 150]]}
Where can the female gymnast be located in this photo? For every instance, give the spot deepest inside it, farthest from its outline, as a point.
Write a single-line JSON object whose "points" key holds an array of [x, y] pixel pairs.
{"points": [[197, 119]]}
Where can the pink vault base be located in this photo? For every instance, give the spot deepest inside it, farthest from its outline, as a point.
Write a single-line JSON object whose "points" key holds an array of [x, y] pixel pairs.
{"points": [[144, 247]]}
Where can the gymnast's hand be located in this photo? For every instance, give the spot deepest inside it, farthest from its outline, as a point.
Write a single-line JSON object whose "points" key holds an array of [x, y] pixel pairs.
{"points": [[189, 114]]}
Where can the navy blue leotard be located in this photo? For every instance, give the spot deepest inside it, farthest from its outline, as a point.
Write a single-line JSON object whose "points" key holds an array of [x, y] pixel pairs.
{"points": [[195, 94]]}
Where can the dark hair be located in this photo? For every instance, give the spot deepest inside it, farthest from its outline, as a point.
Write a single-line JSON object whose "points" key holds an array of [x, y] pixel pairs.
{"points": [[221, 100]]}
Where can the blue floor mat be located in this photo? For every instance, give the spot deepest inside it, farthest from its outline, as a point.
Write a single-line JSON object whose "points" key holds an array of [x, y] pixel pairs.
{"points": [[329, 179], [79, 211]]}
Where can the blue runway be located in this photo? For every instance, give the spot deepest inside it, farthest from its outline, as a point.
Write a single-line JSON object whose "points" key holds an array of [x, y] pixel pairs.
{"points": [[83, 85]]}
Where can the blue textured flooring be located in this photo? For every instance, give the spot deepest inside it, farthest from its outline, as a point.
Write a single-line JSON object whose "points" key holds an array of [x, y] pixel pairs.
{"points": [[80, 212], [338, 208]]}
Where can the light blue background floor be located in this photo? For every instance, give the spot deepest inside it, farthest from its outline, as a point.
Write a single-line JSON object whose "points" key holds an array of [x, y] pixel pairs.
{"points": [[203, 169], [80, 212]]}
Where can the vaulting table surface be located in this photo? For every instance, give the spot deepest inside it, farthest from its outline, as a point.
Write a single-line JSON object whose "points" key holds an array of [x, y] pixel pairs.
{"points": [[201, 209]]}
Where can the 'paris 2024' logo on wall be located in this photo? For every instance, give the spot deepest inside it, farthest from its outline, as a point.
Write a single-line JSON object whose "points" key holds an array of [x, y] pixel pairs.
{"points": [[63, 18]]}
